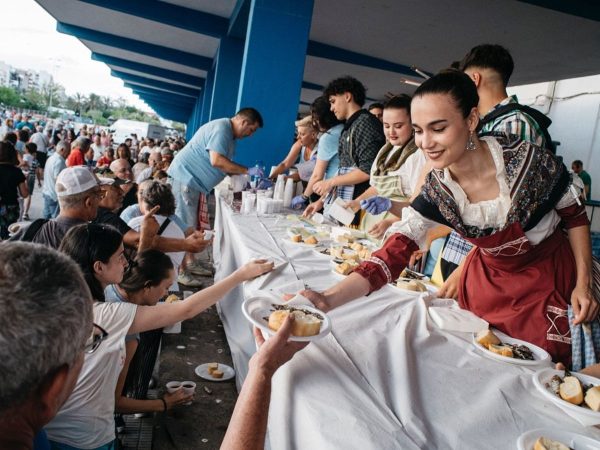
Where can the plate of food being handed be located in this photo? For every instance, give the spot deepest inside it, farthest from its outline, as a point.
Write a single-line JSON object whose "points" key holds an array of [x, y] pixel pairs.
{"points": [[496, 345], [268, 312]]}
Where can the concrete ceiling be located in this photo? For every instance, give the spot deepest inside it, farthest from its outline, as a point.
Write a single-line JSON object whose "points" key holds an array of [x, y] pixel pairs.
{"points": [[546, 44]]}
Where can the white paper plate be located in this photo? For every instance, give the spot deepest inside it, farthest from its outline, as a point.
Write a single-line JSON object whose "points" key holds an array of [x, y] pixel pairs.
{"points": [[584, 415], [259, 306], [202, 372], [541, 356], [572, 440]]}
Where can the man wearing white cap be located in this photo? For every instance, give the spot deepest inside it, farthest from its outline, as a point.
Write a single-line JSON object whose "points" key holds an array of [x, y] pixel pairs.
{"points": [[78, 191]]}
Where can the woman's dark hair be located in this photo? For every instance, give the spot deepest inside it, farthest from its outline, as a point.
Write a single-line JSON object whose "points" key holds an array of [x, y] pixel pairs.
{"points": [[31, 147], [143, 158], [8, 153], [454, 83], [401, 101], [322, 114], [24, 134], [11, 137], [159, 194], [126, 153], [88, 243], [71, 134], [347, 84], [149, 269]]}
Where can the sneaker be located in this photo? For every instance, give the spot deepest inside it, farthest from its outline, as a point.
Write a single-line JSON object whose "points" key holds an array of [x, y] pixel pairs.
{"points": [[188, 280], [25, 216]]}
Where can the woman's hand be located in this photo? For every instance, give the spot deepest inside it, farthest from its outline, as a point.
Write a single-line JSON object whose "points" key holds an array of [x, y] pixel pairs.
{"points": [[254, 269], [450, 288], [585, 307], [313, 208], [179, 397], [354, 205], [378, 230], [323, 187], [317, 299]]}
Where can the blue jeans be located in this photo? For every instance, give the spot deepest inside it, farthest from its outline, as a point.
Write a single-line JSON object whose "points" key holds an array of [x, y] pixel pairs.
{"points": [[51, 208], [186, 203]]}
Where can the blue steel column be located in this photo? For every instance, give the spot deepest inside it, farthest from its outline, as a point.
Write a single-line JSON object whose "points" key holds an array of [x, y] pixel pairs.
{"points": [[272, 73], [228, 69], [207, 100]]}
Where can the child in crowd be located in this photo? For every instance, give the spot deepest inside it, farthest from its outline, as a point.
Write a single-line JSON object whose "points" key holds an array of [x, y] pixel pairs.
{"points": [[105, 160]]}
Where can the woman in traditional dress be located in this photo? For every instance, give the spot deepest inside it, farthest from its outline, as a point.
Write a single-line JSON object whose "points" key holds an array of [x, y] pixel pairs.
{"points": [[514, 201], [396, 169]]}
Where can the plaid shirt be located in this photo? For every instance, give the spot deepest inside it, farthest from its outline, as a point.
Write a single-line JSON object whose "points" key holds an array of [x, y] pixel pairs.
{"points": [[360, 141], [515, 123], [456, 248]]}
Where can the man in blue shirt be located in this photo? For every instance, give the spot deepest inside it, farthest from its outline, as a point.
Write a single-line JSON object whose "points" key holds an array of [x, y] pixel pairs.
{"points": [[207, 158]]}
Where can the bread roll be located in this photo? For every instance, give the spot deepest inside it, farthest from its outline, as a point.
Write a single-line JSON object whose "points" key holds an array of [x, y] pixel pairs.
{"points": [[356, 246], [336, 252], [304, 324], [487, 337], [501, 350], [570, 390], [172, 299], [296, 238], [592, 398], [217, 374], [311, 240], [543, 443], [212, 367]]}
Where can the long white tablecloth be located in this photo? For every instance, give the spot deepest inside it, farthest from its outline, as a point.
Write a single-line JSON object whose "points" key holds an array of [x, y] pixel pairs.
{"points": [[386, 377]]}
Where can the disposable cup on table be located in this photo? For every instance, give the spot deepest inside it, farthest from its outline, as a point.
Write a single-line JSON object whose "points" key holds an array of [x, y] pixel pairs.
{"points": [[189, 388]]}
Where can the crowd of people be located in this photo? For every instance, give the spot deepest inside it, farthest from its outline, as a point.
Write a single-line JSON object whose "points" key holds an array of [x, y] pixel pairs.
{"points": [[459, 176]]}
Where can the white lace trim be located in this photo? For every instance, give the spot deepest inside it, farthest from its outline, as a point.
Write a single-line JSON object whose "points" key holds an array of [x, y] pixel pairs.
{"points": [[413, 225], [381, 263], [487, 213]]}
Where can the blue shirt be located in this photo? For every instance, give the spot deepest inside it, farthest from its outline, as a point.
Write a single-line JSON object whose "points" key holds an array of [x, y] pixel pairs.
{"points": [[192, 166], [328, 149], [54, 165]]}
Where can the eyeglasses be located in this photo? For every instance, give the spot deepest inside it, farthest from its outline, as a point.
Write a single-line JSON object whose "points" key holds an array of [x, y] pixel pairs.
{"points": [[95, 339]]}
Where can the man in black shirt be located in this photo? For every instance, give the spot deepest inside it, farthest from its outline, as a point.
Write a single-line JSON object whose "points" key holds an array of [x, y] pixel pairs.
{"points": [[360, 141]]}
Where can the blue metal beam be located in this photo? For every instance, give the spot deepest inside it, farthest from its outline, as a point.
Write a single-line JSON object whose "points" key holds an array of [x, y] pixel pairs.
{"points": [[238, 22], [144, 48], [170, 14], [330, 52], [580, 8], [150, 70], [313, 86], [158, 92], [167, 113], [166, 100], [156, 83]]}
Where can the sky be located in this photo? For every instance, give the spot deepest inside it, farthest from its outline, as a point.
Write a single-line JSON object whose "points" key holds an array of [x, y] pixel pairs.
{"points": [[38, 46]]}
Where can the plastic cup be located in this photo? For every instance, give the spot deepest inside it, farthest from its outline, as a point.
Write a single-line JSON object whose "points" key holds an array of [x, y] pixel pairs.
{"points": [[173, 386], [189, 387]]}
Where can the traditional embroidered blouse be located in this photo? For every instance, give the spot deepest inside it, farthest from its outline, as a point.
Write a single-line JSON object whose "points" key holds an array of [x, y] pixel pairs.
{"points": [[535, 191]]}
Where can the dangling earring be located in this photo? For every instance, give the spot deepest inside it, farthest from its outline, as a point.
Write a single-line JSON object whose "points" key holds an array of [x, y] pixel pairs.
{"points": [[471, 143]]}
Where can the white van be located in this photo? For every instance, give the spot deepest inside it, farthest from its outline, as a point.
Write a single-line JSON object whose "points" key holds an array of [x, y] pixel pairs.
{"points": [[124, 128]]}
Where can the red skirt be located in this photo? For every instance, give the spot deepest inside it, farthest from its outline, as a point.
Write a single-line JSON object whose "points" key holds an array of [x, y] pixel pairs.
{"points": [[523, 291]]}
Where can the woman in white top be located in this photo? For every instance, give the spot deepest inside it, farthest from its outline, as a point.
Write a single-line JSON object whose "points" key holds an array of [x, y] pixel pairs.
{"points": [[303, 152], [396, 169], [86, 419]]}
